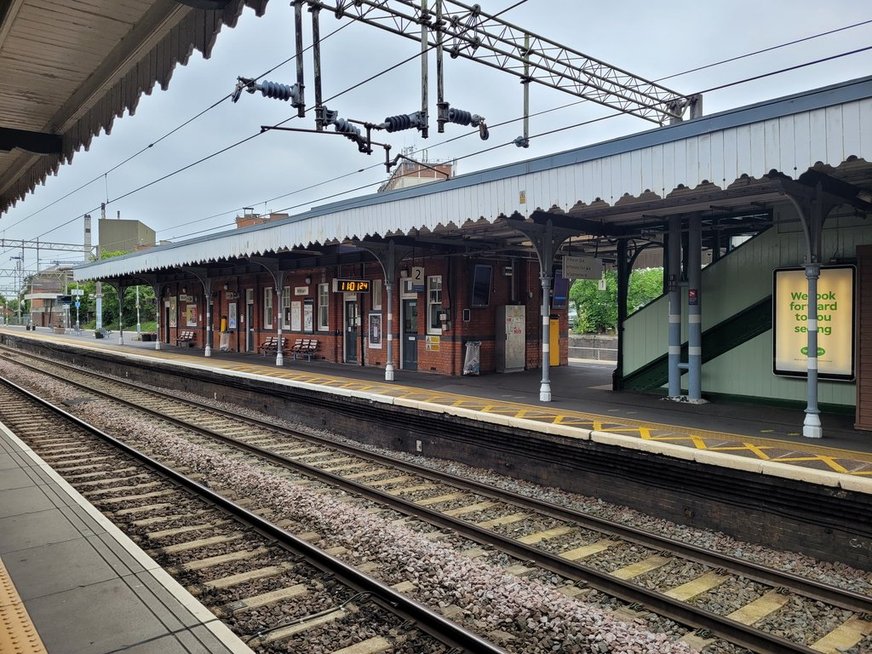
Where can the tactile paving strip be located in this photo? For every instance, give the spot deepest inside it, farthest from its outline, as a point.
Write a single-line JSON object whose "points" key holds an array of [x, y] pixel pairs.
{"points": [[17, 633]]}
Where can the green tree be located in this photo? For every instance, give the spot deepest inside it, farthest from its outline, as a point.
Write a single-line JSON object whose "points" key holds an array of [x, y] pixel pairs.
{"points": [[147, 312], [598, 309]]}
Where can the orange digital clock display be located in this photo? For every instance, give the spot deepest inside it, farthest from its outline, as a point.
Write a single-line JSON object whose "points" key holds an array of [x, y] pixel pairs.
{"points": [[351, 285]]}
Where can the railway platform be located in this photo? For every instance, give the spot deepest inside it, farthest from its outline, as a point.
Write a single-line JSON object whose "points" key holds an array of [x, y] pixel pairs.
{"points": [[71, 582], [83, 587], [751, 436]]}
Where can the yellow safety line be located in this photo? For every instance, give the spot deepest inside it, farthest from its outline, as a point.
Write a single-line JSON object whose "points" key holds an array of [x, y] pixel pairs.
{"points": [[696, 438], [17, 633]]}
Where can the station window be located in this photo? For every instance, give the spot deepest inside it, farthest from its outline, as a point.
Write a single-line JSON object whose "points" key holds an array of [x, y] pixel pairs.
{"points": [[376, 294], [285, 309], [434, 304], [323, 307], [268, 307]]}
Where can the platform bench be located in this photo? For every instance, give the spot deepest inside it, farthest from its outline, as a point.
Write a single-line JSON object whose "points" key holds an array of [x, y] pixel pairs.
{"points": [[186, 338], [271, 345], [305, 347]]}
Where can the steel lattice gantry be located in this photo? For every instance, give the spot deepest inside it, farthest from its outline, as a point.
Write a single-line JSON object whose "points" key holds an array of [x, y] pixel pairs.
{"points": [[466, 31]]}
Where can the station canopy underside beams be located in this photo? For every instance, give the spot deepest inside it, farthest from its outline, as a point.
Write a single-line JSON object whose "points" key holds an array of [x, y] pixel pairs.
{"points": [[745, 207]]}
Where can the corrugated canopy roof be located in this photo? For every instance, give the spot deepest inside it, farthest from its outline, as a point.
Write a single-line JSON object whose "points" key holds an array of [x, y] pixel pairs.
{"points": [[68, 68], [723, 167]]}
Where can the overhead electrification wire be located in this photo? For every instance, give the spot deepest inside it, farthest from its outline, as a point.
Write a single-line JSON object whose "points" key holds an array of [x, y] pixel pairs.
{"points": [[786, 70], [560, 107], [514, 120]]}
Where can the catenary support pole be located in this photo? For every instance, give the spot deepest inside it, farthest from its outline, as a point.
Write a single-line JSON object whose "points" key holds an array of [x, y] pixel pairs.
{"points": [[811, 426], [674, 300], [545, 385], [694, 311]]}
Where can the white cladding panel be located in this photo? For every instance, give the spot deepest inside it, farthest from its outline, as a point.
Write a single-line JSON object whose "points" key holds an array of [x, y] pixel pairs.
{"points": [[791, 144]]}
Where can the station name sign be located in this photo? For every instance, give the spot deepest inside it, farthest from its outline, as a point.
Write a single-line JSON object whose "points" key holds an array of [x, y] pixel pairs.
{"points": [[835, 315], [351, 285]]}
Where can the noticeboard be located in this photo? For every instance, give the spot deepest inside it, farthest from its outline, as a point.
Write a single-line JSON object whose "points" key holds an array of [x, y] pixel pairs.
{"points": [[835, 315]]}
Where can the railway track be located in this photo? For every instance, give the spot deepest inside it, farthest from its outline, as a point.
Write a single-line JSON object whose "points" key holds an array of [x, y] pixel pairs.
{"points": [[668, 577], [271, 587]]}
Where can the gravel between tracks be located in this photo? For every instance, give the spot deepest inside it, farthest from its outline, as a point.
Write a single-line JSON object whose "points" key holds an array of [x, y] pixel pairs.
{"points": [[541, 619]]}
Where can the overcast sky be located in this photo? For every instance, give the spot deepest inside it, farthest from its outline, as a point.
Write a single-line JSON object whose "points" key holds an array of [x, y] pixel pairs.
{"points": [[284, 171]]}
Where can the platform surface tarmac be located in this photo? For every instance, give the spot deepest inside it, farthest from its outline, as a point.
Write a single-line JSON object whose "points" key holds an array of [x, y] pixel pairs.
{"points": [[581, 398], [72, 583]]}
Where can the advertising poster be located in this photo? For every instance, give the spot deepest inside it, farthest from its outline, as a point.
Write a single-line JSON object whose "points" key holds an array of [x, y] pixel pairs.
{"points": [[835, 315], [296, 316], [308, 316], [173, 319], [191, 315], [375, 331], [231, 316]]}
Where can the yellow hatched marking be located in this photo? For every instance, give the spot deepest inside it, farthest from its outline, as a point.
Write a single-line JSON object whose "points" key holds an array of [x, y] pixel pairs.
{"points": [[587, 550], [696, 586], [470, 508], [640, 568], [843, 637], [539, 536], [760, 607], [698, 442], [832, 463], [17, 633], [504, 520], [573, 421], [645, 433], [796, 459], [757, 450]]}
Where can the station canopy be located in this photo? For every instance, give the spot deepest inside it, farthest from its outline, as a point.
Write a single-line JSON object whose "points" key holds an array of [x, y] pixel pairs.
{"points": [[70, 67]]}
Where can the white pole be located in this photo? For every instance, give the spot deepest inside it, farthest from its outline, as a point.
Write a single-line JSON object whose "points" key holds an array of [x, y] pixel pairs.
{"points": [[138, 325]]}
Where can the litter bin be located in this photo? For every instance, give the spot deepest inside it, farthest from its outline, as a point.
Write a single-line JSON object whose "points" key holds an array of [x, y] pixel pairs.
{"points": [[224, 342], [472, 360]]}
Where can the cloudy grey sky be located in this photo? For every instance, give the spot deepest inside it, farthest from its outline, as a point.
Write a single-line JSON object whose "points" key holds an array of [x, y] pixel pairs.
{"points": [[283, 171]]}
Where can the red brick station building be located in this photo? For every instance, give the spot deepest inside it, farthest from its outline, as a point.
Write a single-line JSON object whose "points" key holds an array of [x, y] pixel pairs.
{"points": [[337, 296]]}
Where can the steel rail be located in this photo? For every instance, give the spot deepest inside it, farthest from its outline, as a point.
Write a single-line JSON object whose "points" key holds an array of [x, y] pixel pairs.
{"points": [[810, 588], [726, 628], [390, 599]]}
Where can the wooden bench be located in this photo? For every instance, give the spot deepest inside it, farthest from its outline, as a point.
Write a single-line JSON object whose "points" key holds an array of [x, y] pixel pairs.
{"points": [[305, 347], [186, 337], [271, 345]]}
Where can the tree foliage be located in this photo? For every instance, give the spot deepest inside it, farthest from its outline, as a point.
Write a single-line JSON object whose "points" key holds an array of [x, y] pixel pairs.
{"points": [[598, 310], [88, 310]]}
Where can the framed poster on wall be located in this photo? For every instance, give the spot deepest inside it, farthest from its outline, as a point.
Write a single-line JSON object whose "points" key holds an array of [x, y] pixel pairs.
{"points": [[191, 315], [835, 317], [173, 319], [309, 315], [231, 315], [296, 316], [374, 331]]}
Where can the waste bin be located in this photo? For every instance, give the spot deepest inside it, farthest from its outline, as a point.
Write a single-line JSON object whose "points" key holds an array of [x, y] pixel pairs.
{"points": [[472, 360], [224, 342]]}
